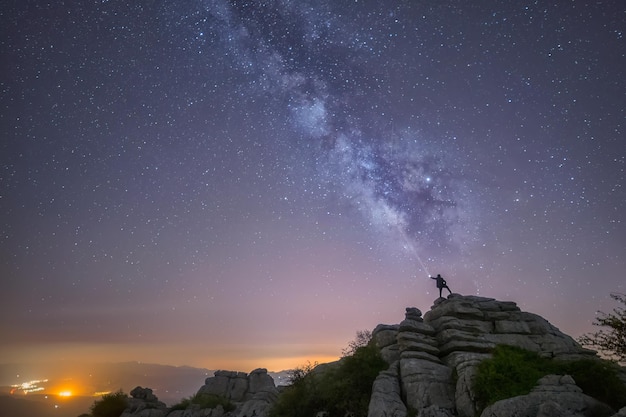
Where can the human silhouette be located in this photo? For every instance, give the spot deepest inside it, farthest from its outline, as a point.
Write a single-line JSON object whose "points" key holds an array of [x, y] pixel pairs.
{"points": [[441, 284]]}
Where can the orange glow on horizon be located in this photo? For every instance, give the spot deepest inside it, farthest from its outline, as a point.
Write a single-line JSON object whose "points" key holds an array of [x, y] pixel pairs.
{"points": [[65, 393], [281, 364]]}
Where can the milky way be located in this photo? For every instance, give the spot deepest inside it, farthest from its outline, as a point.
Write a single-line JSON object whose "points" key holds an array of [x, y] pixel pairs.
{"points": [[244, 184]]}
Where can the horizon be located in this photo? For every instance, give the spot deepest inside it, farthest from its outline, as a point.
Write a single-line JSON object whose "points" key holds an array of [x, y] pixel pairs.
{"points": [[63, 354], [248, 185]]}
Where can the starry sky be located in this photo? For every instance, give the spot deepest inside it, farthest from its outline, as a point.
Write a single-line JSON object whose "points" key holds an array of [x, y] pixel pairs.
{"points": [[244, 184]]}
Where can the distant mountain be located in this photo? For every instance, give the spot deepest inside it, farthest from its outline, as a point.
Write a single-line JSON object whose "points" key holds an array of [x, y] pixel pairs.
{"points": [[169, 383]]}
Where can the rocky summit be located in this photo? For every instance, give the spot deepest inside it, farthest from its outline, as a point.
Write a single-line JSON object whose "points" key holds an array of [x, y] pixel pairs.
{"points": [[433, 360]]}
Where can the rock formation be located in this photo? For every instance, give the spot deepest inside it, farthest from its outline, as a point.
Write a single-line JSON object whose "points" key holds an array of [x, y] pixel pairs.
{"points": [[434, 359], [252, 394], [143, 403], [255, 392]]}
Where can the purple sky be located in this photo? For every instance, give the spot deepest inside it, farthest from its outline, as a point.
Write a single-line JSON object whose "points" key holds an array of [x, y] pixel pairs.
{"points": [[197, 183]]}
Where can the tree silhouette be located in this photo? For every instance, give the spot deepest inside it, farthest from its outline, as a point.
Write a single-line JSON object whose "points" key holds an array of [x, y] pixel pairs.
{"points": [[611, 342], [362, 339]]}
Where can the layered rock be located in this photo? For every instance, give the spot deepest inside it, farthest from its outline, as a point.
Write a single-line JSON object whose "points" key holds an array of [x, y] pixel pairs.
{"points": [[386, 397], [252, 394], [437, 355], [255, 392], [143, 403]]}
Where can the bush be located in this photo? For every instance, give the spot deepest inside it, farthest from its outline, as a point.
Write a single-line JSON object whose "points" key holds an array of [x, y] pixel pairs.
{"points": [[204, 401], [514, 371], [111, 405], [589, 372], [339, 390]]}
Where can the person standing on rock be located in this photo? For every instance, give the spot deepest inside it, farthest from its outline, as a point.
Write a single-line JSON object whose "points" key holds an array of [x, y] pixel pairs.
{"points": [[441, 284]]}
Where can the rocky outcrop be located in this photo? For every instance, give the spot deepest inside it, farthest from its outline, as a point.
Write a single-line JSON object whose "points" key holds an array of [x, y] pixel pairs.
{"points": [[252, 394], [143, 403], [437, 355]]}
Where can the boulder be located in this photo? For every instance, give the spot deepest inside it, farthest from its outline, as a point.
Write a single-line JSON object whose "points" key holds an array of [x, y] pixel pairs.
{"points": [[426, 383], [385, 335], [228, 384], [143, 403], [554, 396], [259, 381]]}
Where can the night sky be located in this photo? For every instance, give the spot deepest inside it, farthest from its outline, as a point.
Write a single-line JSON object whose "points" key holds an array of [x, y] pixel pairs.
{"points": [[244, 184]]}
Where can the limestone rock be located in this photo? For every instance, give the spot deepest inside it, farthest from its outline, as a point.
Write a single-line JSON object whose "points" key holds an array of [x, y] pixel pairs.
{"points": [[227, 384], [386, 400], [252, 394], [386, 339], [554, 396], [385, 335], [426, 384], [439, 352], [143, 403], [259, 381]]}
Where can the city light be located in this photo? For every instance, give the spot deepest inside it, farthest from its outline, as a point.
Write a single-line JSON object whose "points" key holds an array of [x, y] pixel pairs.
{"points": [[28, 387]]}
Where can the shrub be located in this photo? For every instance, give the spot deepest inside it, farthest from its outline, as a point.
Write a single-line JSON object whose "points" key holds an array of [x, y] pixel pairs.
{"points": [[510, 372], [514, 371], [111, 405], [340, 390], [589, 372]]}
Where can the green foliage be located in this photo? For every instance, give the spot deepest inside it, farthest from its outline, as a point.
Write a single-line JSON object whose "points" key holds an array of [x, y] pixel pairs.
{"points": [[598, 379], [612, 340], [514, 371], [204, 401], [111, 405], [338, 390]]}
